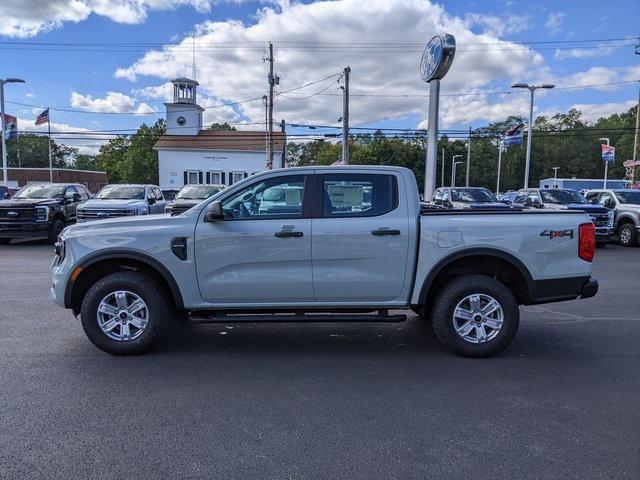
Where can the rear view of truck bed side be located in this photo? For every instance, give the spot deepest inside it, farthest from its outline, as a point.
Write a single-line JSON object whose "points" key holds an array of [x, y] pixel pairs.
{"points": [[523, 257]]}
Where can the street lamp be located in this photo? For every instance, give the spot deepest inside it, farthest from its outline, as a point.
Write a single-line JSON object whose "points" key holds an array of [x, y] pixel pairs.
{"points": [[606, 163], [4, 143], [532, 89], [453, 169], [555, 177]]}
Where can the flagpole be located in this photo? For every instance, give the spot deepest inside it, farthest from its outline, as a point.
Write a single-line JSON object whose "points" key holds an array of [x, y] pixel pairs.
{"points": [[49, 131]]}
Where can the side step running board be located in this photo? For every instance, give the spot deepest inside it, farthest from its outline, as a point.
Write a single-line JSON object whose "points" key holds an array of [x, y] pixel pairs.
{"points": [[225, 317]]}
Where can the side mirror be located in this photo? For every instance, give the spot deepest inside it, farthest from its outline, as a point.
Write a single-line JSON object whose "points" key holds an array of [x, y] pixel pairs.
{"points": [[214, 212], [151, 201], [76, 197]]}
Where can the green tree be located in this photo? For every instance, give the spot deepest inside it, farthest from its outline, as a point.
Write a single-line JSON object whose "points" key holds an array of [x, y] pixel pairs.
{"points": [[32, 150], [222, 126]]}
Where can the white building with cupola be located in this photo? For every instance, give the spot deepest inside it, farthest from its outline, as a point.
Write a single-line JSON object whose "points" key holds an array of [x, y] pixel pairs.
{"points": [[190, 154]]}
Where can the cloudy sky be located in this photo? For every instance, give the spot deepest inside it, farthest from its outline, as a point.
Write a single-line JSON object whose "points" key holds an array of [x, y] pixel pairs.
{"points": [[104, 64]]}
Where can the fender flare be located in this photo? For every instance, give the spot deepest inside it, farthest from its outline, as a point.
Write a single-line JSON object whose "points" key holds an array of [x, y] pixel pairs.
{"points": [[127, 254], [475, 252]]}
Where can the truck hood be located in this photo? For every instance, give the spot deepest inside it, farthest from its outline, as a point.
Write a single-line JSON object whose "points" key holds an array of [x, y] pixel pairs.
{"points": [[584, 207], [28, 202], [186, 203], [124, 224], [113, 203]]}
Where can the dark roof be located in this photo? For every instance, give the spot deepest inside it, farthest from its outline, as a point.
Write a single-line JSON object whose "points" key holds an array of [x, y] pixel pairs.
{"points": [[243, 140], [184, 80]]}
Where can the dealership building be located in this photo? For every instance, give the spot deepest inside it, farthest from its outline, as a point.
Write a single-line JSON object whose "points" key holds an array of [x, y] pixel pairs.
{"points": [[187, 154], [19, 177]]}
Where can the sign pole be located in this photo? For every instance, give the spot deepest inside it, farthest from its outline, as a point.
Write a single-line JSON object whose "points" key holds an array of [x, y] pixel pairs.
{"points": [[434, 65], [432, 140], [499, 166]]}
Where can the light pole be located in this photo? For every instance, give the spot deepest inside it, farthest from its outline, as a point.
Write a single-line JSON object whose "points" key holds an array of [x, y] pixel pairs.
{"points": [[499, 166], [555, 177], [606, 163], [532, 89], [453, 169], [4, 143]]}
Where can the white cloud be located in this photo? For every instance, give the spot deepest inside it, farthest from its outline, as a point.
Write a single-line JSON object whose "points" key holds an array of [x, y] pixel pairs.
{"points": [[66, 134], [594, 111], [600, 51], [113, 102], [27, 18], [230, 66], [499, 26], [555, 22]]}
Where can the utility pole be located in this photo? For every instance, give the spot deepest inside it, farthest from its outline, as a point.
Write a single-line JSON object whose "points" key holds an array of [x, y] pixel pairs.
{"points": [[635, 142], [272, 82], [345, 117], [468, 158], [442, 174], [555, 177], [283, 129], [265, 101], [499, 166], [453, 169]]}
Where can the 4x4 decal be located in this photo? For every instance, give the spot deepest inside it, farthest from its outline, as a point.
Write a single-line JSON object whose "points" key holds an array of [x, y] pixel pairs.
{"points": [[557, 234]]}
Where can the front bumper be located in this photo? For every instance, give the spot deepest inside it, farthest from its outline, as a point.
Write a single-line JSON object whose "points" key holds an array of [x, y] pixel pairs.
{"points": [[604, 234], [24, 229]]}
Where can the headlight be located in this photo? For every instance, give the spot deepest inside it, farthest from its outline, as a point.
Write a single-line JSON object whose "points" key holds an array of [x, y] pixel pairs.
{"points": [[610, 218], [42, 214], [168, 209]]}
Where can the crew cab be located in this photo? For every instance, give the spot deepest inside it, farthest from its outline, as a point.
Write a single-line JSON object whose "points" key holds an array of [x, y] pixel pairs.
{"points": [[190, 196], [565, 199], [467, 197], [40, 211], [625, 205], [348, 243], [121, 201]]}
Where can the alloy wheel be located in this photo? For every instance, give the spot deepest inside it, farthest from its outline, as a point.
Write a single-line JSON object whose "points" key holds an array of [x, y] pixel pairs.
{"points": [[122, 315], [478, 318]]}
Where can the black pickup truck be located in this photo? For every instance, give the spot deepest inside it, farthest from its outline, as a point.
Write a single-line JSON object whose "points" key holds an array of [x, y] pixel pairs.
{"points": [[40, 211]]}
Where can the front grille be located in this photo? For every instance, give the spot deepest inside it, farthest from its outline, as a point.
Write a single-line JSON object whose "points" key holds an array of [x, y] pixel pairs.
{"points": [[600, 219], [177, 210], [85, 215], [17, 214]]}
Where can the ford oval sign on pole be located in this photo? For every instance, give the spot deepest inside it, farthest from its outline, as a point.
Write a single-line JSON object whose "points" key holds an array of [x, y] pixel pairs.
{"points": [[436, 61]]}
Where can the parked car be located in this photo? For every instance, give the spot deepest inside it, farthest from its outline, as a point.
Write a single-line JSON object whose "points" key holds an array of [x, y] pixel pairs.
{"points": [[5, 193], [565, 199], [508, 197], [626, 212], [40, 211], [467, 197], [121, 201], [169, 194], [190, 196], [336, 255]]}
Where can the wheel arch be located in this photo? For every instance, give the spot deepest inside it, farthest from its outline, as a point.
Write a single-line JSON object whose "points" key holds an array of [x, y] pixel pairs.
{"points": [[485, 261], [624, 220], [98, 265]]}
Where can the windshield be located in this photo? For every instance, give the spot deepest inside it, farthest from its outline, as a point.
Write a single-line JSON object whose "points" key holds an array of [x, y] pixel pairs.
{"points": [[629, 197], [121, 192], [169, 194], [41, 191], [561, 197], [472, 195], [197, 192]]}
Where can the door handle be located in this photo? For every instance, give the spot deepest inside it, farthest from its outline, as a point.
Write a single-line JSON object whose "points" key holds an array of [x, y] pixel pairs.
{"points": [[288, 233], [385, 231]]}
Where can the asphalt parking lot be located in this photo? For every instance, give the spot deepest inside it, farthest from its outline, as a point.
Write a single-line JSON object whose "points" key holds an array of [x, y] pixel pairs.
{"points": [[321, 401]]}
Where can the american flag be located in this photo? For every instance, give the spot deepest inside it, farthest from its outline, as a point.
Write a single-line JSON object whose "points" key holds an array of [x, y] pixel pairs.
{"points": [[43, 117]]}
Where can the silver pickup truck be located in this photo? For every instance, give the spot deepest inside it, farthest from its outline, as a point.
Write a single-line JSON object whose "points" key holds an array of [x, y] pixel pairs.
{"points": [[340, 244]]}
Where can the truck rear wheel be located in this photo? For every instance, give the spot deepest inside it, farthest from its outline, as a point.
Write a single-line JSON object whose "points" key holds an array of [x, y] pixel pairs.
{"points": [[475, 316], [125, 313]]}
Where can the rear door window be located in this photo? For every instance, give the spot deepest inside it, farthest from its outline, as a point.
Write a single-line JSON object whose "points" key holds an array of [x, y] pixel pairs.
{"points": [[358, 194]]}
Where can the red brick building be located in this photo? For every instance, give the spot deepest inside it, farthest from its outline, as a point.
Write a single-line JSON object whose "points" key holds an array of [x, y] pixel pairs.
{"points": [[19, 177]]}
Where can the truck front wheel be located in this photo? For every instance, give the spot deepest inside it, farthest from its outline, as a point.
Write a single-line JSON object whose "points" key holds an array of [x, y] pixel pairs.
{"points": [[124, 313], [627, 235], [475, 316]]}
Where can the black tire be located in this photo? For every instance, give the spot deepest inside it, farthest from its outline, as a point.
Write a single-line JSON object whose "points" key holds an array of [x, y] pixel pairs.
{"points": [[627, 235], [454, 292], [148, 290], [5, 241], [56, 227]]}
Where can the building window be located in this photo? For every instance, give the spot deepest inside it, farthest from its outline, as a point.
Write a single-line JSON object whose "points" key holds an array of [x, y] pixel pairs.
{"points": [[237, 176], [191, 177], [215, 178]]}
